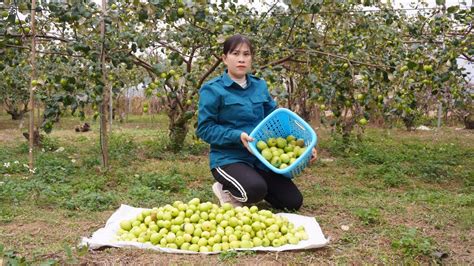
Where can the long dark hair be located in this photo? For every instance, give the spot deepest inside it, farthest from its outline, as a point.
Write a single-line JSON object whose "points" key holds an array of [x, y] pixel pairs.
{"points": [[232, 42]]}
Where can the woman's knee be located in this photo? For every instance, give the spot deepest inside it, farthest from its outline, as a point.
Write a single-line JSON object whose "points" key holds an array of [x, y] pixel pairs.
{"points": [[293, 203], [256, 192]]}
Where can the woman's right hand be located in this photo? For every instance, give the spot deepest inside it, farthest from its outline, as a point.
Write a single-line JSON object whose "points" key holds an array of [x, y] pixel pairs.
{"points": [[314, 156], [245, 138]]}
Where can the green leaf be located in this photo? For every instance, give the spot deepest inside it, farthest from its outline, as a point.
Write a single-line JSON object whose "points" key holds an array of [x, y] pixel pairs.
{"points": [[11, 18], [200, 15], [142, 15], [441, 2], [412, 65], [453, 9]]}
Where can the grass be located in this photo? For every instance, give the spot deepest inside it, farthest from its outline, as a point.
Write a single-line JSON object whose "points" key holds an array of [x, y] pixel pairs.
{"points": [[395, 197]]}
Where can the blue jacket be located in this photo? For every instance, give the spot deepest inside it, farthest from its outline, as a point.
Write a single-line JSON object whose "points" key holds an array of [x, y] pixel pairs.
{"points": [[225, 111]]}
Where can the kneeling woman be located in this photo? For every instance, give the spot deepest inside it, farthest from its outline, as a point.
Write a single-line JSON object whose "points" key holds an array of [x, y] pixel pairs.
{"points": [[230, 107]]}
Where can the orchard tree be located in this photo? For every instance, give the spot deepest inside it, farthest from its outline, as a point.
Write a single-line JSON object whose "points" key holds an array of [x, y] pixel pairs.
{"points": [[428, 73], [60, 29], [382, 61], [333, 56], [179, 45], [14, 89]]}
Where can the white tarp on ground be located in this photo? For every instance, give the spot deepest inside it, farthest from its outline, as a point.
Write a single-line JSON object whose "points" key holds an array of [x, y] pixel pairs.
{"points": [[106, 236]]}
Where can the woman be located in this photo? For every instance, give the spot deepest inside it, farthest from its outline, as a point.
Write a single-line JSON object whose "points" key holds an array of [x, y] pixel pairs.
{"points": [[230, 107]]}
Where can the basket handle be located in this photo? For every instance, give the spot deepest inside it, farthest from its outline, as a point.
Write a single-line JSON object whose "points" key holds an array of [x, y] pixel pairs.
{"points": [[298, 124]]}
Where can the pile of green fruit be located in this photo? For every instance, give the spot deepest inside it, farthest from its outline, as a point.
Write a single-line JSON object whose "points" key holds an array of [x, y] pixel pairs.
{"points": [[206, 227], [281, 152]]}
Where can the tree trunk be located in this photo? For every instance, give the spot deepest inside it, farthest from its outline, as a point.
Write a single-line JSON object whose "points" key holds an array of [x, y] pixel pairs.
{"points": [[37, 138], [15, 112], [305, 111], [469, 121], [347, 127], [178, 127], [177, 136], [178, 130], [409, 122], [32, 88], [104, 106]]}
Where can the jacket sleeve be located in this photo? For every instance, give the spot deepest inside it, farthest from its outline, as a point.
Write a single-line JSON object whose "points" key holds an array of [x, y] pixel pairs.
{"points": [[208, 127], [271, 105]]}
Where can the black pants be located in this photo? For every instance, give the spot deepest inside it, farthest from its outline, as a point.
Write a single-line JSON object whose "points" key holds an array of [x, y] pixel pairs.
{"points": [[252, 185]]}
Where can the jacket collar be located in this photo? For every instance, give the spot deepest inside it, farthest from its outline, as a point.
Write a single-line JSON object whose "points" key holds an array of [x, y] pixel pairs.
{"points": [[228, 81]]}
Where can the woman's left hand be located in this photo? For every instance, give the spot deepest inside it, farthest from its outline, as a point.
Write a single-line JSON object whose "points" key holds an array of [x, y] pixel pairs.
{"points": [[245, 138], [314, 156]]}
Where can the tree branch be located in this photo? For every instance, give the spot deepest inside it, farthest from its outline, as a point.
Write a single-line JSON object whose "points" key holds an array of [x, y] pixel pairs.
{"points": [[468, 30], [190, 61], [298, 61], [173, 49], [467, 57], [277, 62], [209, 71], [180, 105], [7, 103], [17, 46], [143, 64], [344, 58], [42, 36], [293, 25], [270, 34], [43, 52], [266, 13], [295, 70], [199, 27], [431, 41]]}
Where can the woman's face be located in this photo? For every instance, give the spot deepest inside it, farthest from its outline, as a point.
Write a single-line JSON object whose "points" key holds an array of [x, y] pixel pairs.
{"points": [[238, 61]]}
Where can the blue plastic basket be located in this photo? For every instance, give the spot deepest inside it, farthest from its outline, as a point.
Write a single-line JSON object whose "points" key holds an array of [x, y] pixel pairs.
{"points": [[281, 123]]}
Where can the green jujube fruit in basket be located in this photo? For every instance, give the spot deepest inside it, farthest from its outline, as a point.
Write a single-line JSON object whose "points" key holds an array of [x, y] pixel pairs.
{"points": [[261, 145], [281, 152], [284, 158], [290, 138], [301, 151], [267, 154], [281, 142], [300, 142], [271, 142], [276, 161]]}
